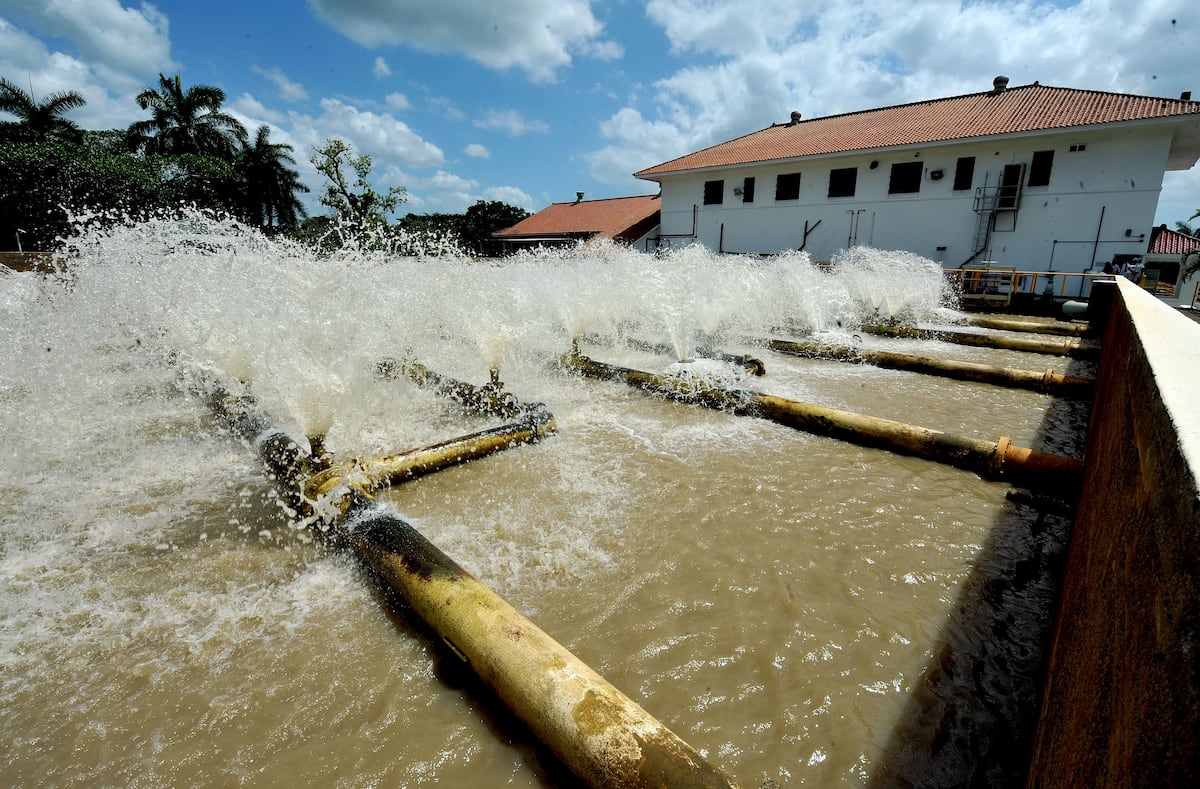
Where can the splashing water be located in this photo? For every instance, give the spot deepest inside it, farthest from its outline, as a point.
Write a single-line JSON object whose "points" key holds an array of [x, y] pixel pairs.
{"points": [[156, 604]]}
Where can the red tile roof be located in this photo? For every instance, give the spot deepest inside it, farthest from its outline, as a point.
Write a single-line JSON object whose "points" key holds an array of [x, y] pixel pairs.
{"points": [[619, 218], [1026, 108], [1164, 241]]}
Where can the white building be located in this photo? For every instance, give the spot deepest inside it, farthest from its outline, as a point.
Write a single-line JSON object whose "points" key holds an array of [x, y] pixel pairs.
{"points": [[1034, 177]]}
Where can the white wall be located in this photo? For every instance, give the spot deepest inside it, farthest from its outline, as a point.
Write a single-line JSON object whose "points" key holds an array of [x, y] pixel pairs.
{"points": [[1118, 176]]}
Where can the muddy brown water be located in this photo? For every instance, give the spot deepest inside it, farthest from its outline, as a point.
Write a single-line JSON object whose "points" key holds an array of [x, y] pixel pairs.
{"points": [[800, 610]]}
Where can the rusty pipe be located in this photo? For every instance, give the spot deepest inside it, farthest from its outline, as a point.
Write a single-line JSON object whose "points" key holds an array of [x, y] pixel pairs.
{"points": [[1075, 347], [1062, 328], [370, 474], [992, 459], [598, 732], [1036, 380]]}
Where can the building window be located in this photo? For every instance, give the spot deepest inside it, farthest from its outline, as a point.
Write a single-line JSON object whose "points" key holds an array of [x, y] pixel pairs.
{"points": [[787, 186], [748, 190], [1039, 169], [842, 181], [1080, 147], [964, 173], [906, 178], [714, 192]]}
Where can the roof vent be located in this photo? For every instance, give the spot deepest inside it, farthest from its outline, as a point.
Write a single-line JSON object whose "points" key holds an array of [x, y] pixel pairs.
{"points": [[795, 118], [1000, 84], [578, 198], [1185, 96]]}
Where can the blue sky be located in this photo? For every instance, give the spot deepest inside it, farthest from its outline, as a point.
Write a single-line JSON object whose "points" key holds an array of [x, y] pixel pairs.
{"points": [[529, 101]]}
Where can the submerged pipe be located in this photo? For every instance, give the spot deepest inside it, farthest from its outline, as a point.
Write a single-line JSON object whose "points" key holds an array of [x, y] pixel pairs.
{"points": [[993, 459], [1063, 328], [597, 731], [370, 474], [600, 733], [1048, 381], [751, 364], [1075, 347]]}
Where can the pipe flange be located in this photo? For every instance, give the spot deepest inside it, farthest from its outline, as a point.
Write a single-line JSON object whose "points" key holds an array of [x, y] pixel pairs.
{"points": [[1002, 447]]}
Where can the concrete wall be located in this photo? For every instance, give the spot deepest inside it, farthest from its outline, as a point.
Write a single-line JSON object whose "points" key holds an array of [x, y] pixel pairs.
{"points": [[26, 261], [1121, 704]]}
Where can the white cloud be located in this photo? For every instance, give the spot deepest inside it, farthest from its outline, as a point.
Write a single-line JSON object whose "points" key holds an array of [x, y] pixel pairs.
{"points": [[511, 122], [288, 90], [509, 194], [444, 181], [27, 62], [381, 68], [397, 102], [748, 64], [123, 45], [534, 36], [477, 151], [447, 107], [246, 106], [380, 135]]}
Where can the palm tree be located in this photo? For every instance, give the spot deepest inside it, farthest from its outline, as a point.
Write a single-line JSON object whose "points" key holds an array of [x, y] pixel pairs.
{"points": [[184, 122], [270, 184], [41, 120]]}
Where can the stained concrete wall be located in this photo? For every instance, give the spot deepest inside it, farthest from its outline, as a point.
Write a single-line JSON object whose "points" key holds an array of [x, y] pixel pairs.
{"points": [[26, 261], [1121, 704]]}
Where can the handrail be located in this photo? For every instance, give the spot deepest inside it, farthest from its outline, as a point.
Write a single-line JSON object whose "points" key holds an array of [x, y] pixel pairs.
{"points": [[1034, 282]]}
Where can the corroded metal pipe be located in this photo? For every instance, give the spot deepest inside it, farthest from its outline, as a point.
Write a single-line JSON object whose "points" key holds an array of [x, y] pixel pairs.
{"points": [[993, 459], [1075, 347], [370, 474], [597, 731], [1047, 381], [489, 399], [1062, 328], [751, 364]]}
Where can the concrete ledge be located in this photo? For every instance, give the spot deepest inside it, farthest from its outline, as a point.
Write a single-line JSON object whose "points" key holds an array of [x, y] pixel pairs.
{"points": [[1121, 701], [27, 261]]}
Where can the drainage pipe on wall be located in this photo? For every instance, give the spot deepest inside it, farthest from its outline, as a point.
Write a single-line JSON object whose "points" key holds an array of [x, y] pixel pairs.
{"points": [[1075, 347], [993, 459], [1038, 381], [597, 731]]}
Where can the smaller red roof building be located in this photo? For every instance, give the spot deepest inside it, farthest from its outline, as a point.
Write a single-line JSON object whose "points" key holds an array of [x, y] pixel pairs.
{"points": [[621, 219], [1164, 241]]}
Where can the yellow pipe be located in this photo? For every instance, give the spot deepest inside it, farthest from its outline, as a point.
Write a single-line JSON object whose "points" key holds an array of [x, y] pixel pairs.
{"points": [[370, 474], [598, 732], [1074, 347], [489, 399], [750, 364], [1063, 328], [992, 459], [1047, 381]]}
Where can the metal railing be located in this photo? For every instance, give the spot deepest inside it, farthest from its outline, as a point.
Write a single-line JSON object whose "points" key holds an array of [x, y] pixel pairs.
{"points": [[986, 283]]}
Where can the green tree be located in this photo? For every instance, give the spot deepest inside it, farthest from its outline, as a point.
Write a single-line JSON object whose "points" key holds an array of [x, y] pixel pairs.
{"points": [[185, 122], [269, 184], [485, 218], [362, 213], [1186, 227], [43, 182], [39, 120], [1190, 261]]}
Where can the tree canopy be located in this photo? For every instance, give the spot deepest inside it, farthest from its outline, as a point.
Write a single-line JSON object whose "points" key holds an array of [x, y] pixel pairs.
{"points": [[185, 121], [190, 151], [38, 120]]}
